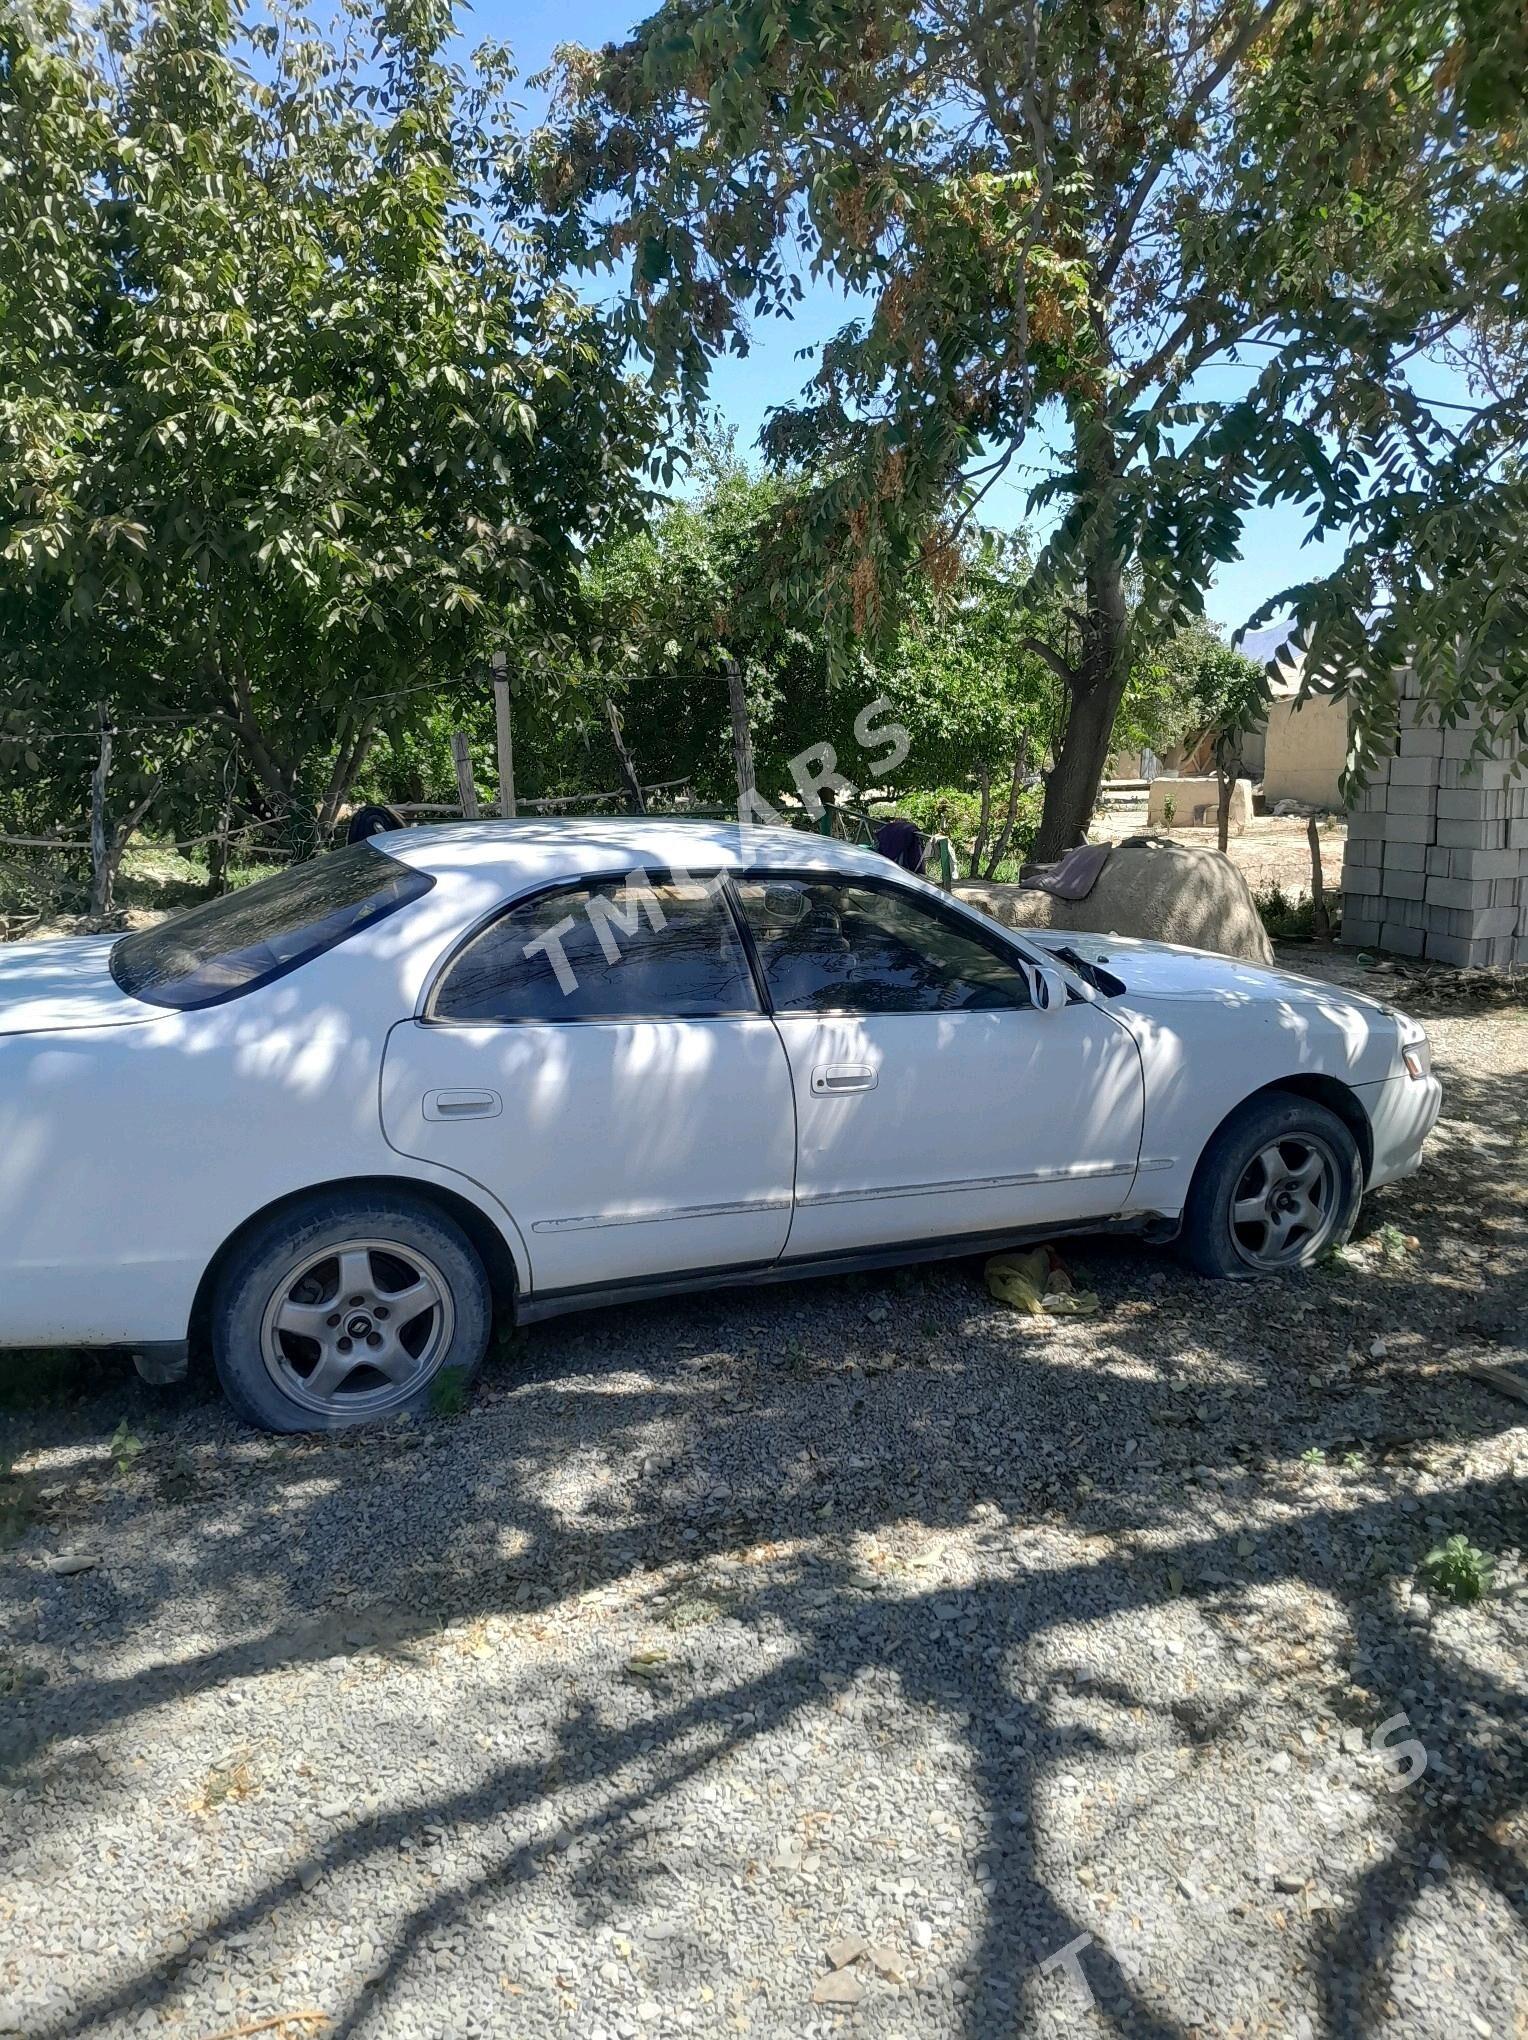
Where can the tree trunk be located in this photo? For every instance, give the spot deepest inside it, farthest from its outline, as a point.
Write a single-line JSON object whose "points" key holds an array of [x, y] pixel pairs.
{"points": [[1320, 920], [1071, 791], [984, 820], [1097, 682], [742, 741], [103, 865], [1227, 759], [628, 769], [350, 754], [1015, 788]]}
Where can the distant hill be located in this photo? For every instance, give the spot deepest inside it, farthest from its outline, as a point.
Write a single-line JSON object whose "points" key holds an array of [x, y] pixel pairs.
{"points": [[1265, 645]]}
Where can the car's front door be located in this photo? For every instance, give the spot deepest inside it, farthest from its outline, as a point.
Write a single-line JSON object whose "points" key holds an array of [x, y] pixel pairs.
{"points": [[598, 1058], [933, 1099]]}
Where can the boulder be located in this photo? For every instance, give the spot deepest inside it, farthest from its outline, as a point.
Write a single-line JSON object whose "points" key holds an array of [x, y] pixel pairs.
{"points": [[1158, 892]]}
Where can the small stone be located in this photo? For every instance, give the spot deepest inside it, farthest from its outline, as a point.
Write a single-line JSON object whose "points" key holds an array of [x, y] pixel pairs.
{"points": [[69, 1562], [648, 2010], [1352, 1740], [923, 1934], [841, 1987], [308, 1873], [1279, 1763], [847, 1949], [887, 1963], [1290, 1880]]}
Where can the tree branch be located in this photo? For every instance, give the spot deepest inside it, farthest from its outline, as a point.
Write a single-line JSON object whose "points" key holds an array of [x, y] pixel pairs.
{"points": [[1052, 658], [1151, 176]]}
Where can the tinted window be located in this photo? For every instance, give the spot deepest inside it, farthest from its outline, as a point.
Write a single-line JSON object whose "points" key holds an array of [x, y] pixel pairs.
{"points": [[621, 949], [834, 946], [233, 945]]}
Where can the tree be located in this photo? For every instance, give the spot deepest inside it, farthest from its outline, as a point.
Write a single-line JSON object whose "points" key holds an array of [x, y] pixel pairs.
{"points": [[288, 436], [1063, 215]]}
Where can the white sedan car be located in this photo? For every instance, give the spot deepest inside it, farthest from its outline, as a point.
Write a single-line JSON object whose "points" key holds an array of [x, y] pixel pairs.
{"points": [[325, 1125]]}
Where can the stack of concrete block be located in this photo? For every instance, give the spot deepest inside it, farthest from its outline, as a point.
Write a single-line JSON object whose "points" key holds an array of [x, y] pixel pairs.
{"points": [[1437, 856]]}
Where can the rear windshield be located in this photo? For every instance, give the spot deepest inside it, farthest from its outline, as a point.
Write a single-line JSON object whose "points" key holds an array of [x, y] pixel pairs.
{"points": [[230, 946]]}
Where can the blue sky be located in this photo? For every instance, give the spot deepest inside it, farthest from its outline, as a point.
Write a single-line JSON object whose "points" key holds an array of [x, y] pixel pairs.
{"points": [[1274, 553]]}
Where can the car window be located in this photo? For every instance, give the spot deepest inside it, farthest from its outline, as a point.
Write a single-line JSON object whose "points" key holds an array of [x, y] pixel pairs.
{"points": [[230, 946], [835, 946], [618, 949]]}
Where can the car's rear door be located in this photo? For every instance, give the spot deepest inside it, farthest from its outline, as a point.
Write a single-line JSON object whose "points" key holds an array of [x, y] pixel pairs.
{"points": [[598, 1058], [933, 1099]]}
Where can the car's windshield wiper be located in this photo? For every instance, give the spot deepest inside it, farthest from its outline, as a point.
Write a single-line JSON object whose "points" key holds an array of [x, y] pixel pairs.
{"points": [[1101, 980]]}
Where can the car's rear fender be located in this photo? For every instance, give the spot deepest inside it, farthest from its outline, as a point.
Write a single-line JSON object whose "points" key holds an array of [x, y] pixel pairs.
{"points": [[493, 1233]]}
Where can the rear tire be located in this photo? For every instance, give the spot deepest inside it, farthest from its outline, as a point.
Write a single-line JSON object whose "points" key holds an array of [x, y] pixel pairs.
{"points": [[1278, 1186], [338, 1311]]}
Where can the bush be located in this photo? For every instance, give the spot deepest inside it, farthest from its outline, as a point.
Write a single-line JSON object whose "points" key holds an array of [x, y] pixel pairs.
{"points": [[1291, 917], [1458, 1570], [955, 811]]}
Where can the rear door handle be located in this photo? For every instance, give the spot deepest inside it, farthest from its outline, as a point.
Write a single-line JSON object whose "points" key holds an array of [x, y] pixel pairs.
{"points": [[828, 1079], [462, 1105]]}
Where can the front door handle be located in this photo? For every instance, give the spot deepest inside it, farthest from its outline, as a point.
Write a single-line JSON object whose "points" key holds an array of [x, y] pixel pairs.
{"points": [[462, 1105], [829, 1079]]}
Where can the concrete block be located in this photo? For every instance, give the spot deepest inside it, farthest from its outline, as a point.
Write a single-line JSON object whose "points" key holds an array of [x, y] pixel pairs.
{"points": [[1421, 744], [1366, 827], [1415, 771], [1473, 925], [1485, 775], [1359, 932], [1413, 714], [1379, 772], [1371, 801], [1517, 801], [1459, 951], [1408, 828], [1517, 835], [1462, 740], [1407, 685], [1504, 891], [1358, 878], [1406, 885], [1366, 852], [1409, 800], [1465, 804], [1404, 941], [1408, 856], [1460, 892], [1460, 835], [1485, 863]]}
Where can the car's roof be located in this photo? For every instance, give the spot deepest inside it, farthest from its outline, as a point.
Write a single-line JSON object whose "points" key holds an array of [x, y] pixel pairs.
{"points": [[556, 847]]}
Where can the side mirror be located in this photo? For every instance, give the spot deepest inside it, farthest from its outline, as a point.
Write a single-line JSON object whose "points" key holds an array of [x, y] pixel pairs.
{"points": [[1048, 988]]}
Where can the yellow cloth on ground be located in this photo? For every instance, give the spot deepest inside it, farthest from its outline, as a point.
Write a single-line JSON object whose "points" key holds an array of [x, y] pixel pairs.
{"points": [[1028, 1281]]}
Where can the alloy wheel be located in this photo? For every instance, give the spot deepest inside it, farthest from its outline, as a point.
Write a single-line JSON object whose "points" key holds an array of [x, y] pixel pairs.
{"points": [[1285, 1204], [357, 1329]]}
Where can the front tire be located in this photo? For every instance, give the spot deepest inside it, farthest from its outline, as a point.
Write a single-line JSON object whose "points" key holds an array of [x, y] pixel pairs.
{"points": [[1278, 1186], [339, 1311]]}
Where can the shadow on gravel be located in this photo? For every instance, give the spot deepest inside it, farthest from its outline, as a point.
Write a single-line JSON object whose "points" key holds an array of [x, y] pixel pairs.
{"points": [[962, 1651]]}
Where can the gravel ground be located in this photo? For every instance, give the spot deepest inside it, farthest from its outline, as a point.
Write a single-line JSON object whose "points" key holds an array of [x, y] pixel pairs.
{"points": [[851, 1658]]}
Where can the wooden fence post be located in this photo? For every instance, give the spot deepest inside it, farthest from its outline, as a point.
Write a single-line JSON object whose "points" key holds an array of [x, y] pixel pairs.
{"points": [[506, 739], [464, 786]]}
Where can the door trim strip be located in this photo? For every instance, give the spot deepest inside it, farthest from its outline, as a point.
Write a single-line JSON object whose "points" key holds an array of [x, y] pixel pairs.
{"points": [[598, 1220], [1078, 1172]]}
